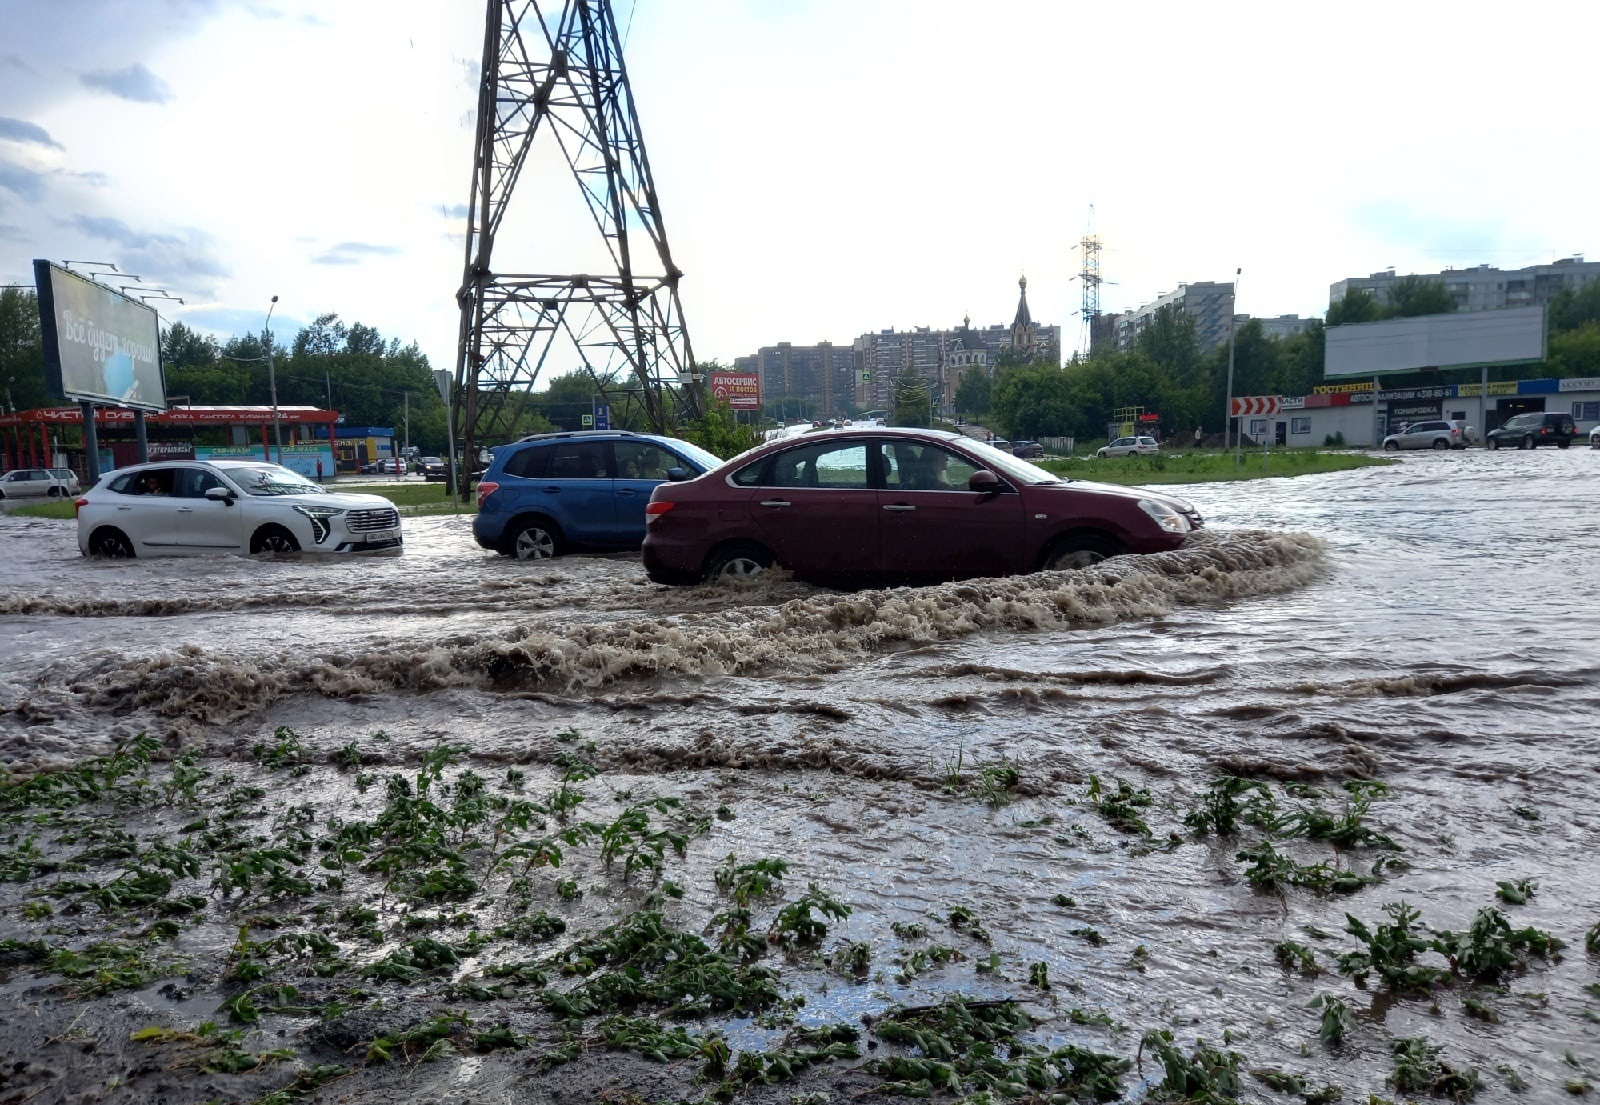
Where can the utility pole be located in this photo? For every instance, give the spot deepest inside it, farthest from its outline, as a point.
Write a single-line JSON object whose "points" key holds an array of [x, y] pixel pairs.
{"points": [[408, 425], [1233, 310]]}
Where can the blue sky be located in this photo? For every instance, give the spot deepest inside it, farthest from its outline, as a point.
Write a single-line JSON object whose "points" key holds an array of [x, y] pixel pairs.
{"points": [[824, 168]]}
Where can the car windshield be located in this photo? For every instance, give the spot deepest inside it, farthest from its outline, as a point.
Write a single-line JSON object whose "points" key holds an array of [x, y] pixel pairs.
{"points": [[271, 479], [1015, 467]]}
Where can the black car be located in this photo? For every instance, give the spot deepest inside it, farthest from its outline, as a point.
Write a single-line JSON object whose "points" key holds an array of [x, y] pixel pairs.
{"points": [[1027, 450], [434, 469], [1531, 430]]}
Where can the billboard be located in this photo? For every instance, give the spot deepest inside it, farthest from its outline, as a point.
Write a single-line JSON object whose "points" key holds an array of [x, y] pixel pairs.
{"points": [[741, 390], [1464, 340], [98, 344]]}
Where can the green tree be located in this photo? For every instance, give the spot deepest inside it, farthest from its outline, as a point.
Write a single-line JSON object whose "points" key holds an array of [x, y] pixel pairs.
{"points": [[1032, 400], [913, 400], [719, 431], [1169, 341], [973, 391], [1576, 352], [22, 352], [1411, 296], [1571, 309], [1355, 306]]}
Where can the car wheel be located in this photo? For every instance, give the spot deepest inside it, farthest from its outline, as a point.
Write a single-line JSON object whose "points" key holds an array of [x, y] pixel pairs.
{"points": [[54, 492], [737, 563], [1562, 444], [536, 540], [1390, 446], [1440, 443], [110, 543], [273, 539], [1080, 551], [1493, 443], [1527, 443]]}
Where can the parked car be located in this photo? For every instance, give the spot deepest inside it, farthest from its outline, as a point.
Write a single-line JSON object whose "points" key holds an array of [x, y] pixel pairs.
{"points": [[1469, 433], [1138, 446], [52, 483], [550, 493], [1530, 430], [434, 469], [1594, 438], [1434, 434], [185, 508], [897, 503], [394, 465], [1027, 450]]}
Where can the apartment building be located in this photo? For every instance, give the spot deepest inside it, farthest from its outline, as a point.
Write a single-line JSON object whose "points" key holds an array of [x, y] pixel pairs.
{"points": [[1484, 287], [1208, 303]]}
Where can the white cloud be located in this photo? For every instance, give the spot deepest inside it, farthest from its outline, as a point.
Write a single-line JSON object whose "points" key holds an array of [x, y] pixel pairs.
{"points": [[823, 167]]}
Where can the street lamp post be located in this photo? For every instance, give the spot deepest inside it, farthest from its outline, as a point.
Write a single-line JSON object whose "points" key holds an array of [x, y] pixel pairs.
{"points": [[272, 382], [1233, 312]]}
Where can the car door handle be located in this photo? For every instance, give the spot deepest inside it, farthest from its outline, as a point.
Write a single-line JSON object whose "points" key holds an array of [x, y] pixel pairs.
{"points": [[775, 502], [186, 510], [630, 492], [550, 489], [898, 506]]}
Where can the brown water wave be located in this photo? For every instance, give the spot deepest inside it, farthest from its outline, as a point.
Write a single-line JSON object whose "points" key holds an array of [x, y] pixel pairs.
{"points": [[723, 631]]}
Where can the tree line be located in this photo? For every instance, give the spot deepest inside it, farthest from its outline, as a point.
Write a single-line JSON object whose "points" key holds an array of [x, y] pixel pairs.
{"points": [[1166, 371]]}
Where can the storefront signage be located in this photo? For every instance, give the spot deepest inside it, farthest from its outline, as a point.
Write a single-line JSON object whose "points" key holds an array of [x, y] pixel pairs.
{"points": [[1581, 383], [1446, 391]]}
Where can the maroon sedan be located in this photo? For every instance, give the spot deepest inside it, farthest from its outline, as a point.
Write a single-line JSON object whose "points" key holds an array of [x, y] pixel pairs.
{"points": [[895, 503]]}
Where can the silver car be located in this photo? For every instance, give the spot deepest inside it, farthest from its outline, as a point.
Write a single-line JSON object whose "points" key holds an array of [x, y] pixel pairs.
{"points": [[187, 508], [1435, 434], [1138, 446], [53, 483]]}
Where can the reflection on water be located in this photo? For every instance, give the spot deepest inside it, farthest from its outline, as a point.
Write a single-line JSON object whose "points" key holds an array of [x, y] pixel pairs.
{"points": [[1432, 625]]}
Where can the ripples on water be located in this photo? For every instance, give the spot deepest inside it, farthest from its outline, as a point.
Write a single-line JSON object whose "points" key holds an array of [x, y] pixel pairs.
{"points": [[1432, 625]]}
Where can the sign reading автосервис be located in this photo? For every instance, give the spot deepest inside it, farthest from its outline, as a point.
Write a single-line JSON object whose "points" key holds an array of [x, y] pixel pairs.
{"points": [[98, 344], [742, 390]]}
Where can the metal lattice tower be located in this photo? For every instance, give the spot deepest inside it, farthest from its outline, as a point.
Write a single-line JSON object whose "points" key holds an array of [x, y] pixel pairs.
{"points": [[554, 89], [1090, 276]]}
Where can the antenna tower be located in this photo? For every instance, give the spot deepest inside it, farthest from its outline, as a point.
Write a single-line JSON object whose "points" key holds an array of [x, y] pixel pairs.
{"points": [[1090, 276], [554, 92]]}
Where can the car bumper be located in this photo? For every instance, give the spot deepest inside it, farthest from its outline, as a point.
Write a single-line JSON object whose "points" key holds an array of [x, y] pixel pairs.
{"points": [[671, 562]]}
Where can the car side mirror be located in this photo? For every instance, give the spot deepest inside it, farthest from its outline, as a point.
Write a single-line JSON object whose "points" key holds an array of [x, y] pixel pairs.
{"points": [[220, 494], [984, 482], [677, 475]]}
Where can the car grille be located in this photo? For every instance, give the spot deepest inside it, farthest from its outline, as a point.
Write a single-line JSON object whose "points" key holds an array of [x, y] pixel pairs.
{"points": [[364, 521]]}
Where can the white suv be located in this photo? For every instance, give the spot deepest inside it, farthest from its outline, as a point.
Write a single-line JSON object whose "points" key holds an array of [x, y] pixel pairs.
{"points": [[1130, 447], [186, 508], [21, 483]]}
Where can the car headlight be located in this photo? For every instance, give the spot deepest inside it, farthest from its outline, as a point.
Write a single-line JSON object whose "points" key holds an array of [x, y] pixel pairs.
{"points": [[1165, 515], [319, 516]]}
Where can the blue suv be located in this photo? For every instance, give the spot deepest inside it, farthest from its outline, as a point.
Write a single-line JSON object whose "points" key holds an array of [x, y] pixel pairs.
{"points": [[551, 493]]}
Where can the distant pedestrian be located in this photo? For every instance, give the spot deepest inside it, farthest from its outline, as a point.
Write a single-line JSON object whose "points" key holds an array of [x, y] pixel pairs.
{"points": [[319, 469], [1199, 436]]}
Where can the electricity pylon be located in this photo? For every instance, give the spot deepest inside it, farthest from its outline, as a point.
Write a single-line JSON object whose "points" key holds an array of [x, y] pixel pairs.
{"points": [[554, 92]]}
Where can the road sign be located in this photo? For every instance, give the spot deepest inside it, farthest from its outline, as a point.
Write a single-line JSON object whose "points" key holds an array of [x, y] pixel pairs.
{"points": [[602, 417], [1257, 404], [442, 379], [588, 420]]}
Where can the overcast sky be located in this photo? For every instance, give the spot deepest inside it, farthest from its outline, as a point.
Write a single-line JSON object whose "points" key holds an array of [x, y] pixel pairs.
{"points": [[825, 167]]}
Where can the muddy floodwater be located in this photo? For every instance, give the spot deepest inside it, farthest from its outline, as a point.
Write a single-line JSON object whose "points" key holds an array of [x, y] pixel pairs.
{"points": [[990, 792]]}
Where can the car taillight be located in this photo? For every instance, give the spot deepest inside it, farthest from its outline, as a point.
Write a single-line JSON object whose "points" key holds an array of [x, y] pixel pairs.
{"points": [[485, 489], [656, 510], [78, 505]]}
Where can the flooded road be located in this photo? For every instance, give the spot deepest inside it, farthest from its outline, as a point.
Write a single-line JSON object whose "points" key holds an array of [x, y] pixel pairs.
{"points": [[1433, 626]]}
